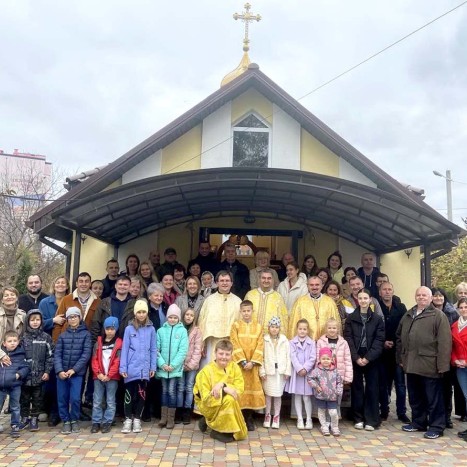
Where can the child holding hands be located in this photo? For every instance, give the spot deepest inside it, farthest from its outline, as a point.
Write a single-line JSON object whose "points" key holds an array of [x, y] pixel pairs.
{"points": [[303, 357], [275, 371]]}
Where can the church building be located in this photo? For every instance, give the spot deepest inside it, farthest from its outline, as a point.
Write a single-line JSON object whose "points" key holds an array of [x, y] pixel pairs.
{"points": [[249, 161]]}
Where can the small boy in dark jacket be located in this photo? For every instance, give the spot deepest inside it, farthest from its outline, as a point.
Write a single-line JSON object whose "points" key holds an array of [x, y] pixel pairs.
{"points": [[38, 346], [71, 358], [105, 368], [11, 378]]}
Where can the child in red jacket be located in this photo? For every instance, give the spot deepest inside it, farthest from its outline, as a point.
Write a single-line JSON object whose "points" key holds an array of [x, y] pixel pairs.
{"points": [[105, 368]]}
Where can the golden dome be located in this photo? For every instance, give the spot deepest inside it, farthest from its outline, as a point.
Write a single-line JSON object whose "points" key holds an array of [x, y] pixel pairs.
{"points": [[241, 68]]}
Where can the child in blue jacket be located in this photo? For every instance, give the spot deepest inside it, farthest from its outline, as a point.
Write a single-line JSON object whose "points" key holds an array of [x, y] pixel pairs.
{"points": [[172, 347], [71, 358], [137, 365], [11, 378]]}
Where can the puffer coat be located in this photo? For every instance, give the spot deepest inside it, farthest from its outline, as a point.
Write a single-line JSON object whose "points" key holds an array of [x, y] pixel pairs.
{"points": [[73, 350], [39, 348], [172, 347], [18, 365]]}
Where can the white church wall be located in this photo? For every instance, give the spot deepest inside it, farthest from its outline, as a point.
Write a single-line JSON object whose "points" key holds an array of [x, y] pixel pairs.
{"points": [[216, 140], [286, 133], [348, 172], [150, 167]]}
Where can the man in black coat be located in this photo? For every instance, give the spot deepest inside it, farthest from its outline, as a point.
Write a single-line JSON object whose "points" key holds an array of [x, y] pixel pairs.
{"points": [[240, 273]]}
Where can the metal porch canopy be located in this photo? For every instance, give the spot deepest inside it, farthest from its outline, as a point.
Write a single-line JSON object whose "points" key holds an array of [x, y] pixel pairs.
{"points": [[372, 218]]}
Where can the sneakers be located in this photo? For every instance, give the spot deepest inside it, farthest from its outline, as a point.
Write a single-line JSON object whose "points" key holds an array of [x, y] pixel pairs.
{"points": [[267, 420], [335, 431], [95, 428], [106, 427], [300, 424], [15, 433], [34, 424], [410, 428], [127, 425], [309, 424], [137, 426], [359, 426], [75, 429], [325, 430], [23, 423], [432, 435], [369, 428], [66, 428], [275, 422]]}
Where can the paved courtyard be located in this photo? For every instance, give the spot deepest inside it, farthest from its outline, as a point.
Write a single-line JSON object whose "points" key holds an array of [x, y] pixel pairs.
{"points": [[187, 446]]}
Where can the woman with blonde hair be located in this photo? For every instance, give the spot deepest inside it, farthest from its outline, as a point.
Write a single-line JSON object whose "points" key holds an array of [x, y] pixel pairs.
{"points": [[262, 262], [146, 273], [48, 306]]}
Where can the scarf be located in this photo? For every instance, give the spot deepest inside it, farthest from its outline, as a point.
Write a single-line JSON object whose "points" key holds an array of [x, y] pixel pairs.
{"points": [[462, 323]]}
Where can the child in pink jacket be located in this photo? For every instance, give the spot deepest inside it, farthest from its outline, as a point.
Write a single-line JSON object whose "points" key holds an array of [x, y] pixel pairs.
{"points": [[340, 350], [190, 367]]}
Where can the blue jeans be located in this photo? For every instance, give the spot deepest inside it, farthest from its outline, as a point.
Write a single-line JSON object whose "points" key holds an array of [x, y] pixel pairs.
{"points": [[104, 392], [69, 398], [169, 392], [185, 389], [462, 378], [15, 394]]}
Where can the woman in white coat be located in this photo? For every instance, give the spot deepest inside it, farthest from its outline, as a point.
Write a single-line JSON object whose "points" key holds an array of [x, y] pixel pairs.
{"points": [[293, 286]]}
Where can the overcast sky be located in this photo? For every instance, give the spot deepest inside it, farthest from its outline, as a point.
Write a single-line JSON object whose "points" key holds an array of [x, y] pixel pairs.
{"points": [[85, 81]]}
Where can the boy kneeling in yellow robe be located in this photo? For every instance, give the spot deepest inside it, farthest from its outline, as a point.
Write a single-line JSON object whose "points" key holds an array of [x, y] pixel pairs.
{"points": [[217, 389]]}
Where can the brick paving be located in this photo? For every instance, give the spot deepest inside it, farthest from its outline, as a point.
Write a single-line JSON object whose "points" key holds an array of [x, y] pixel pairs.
{"points": [[187, 446]]}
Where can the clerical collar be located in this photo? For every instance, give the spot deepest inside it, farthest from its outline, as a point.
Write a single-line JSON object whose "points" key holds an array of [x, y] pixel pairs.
{"points": [[315, 297]]}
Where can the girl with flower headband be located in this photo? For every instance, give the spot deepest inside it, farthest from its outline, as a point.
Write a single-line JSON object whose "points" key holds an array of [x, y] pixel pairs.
{"points": [[275, 371]]}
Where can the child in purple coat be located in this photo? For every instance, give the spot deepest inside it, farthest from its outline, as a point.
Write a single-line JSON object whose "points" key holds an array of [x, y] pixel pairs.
{"points": [[303, 357]]}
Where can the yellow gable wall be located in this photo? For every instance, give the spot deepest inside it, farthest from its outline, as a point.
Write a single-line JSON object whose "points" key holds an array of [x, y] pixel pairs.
{"points": [[251, 100], [404, 273], [94, 257], [317, 158], [183, 154]]}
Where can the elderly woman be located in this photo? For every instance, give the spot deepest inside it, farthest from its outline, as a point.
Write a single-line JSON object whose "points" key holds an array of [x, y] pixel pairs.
{"points": [[294, 286], [262, 261], [208, 285], [192, 297], [11, 317]]}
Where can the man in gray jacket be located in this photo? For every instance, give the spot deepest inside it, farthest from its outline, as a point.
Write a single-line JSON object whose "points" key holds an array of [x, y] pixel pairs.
{"points": [[424, 351]]}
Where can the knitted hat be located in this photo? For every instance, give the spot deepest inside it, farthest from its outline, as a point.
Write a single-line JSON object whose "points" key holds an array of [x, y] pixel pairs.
{"points": [[325, 351], [174, 310], [72, 311], [274, 321], [111, 322], [141, 305]]}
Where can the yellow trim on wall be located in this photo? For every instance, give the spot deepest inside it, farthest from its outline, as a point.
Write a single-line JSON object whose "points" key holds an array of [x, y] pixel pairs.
{"points": [[317, 158], [184, 153], [251, 100]]}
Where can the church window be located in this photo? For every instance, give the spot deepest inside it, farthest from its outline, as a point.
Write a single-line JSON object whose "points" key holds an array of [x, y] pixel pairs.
{"points": [[251, 143]]}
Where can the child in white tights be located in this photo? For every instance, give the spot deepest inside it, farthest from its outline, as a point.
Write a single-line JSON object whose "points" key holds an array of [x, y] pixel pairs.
{"points": [[303, 357], [275, 370]]}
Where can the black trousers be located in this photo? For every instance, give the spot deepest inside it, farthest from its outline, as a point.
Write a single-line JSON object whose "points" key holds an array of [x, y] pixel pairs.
{"points": [[152, 406], [31, 401], [365, 394], [135, 396], [427, 402]]}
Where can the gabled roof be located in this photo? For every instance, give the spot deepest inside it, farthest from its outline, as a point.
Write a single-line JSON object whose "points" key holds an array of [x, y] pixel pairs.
{"points": [[252, 78]]}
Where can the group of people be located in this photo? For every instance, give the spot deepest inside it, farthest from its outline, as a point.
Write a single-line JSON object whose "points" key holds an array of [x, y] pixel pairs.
{"points": [[209, 341]]}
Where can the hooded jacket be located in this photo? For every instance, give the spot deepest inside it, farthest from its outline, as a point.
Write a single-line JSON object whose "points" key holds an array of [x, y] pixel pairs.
{"points": [[73, 350], [39, 349], [18, 365], [328, 380], [172, 348], [139, 352]]}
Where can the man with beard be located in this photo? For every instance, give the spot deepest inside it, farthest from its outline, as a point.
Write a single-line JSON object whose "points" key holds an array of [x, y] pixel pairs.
{"points": [[31, 299], [240, 273], [217, 315]]}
